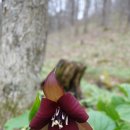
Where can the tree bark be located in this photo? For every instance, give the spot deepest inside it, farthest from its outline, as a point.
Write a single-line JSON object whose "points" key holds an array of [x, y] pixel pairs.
{"points": [[24, 33], [106, 13], [86, 12], [128, 14], [72, 10], [0, 20]]}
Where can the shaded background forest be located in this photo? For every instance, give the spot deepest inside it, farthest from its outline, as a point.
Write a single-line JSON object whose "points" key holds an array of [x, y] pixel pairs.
{"points": [[35, 36], [95, 32]]}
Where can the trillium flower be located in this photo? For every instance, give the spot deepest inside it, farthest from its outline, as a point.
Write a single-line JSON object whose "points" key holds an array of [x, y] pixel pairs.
{"points": [[59, 110]]}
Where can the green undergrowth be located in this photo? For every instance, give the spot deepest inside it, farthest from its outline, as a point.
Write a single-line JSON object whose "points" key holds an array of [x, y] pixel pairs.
{"points": [[107, 110]]}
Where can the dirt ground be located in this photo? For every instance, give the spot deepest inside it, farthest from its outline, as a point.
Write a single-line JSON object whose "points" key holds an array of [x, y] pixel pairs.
{"points": [[102, 51]]}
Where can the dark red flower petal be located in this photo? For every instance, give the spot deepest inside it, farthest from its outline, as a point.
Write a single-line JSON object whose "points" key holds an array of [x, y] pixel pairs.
{"points": [[84, 126], [43, 116], [71, 126], [51, 87], [45, 127], [70, 105]]}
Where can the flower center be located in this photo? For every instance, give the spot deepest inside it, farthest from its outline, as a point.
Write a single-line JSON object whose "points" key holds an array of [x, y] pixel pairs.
{"points": [[59, 118]]}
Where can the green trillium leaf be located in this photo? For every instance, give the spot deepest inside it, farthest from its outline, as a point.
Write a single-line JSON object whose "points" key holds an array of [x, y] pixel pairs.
{"points": [[17, 122], [36, 105], [123, 126], [125, 88], [118, 100], [124, 112], [109, 109], [100, 121]]}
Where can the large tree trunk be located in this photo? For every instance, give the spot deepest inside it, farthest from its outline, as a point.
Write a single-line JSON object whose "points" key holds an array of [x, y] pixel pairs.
{"points": [[106, 13], [22, 49], [0, 20]]}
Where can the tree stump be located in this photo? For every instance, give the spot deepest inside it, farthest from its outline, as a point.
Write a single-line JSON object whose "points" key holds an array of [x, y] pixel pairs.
{"points": [[69, 74]]}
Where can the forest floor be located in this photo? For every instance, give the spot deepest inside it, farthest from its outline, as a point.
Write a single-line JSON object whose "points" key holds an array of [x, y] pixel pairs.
{"points": [[106, 53]]}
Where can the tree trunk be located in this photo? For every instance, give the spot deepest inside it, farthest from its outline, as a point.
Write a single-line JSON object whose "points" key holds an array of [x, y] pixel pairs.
{"points": [[72, 11], [86, 12], [0, 20], [106, 13], [128, 14], [24, 33]]}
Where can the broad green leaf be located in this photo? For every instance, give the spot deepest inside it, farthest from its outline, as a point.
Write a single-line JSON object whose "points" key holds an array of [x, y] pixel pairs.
{"points": [[92, 93], [109, 109], [125, 88], [124, 112], [124, 126], [117, 100], [101, 105], [36, 105], [100, 121], [17, 122]]}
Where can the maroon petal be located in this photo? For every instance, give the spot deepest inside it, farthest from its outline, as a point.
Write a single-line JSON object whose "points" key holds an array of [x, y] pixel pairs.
{"points": [[43, 116], [70, 105], [51, 87], [71, 126], [84, 126], [45, 127]]}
